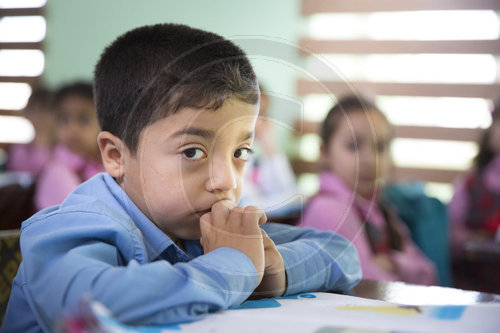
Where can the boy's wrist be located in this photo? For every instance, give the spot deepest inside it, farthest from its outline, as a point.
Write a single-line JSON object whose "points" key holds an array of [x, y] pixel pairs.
{"points": [[272, 285]]}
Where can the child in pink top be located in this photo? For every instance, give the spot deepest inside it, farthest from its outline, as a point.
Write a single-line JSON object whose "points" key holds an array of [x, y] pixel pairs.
{"points": [[76, 158], [32, 157], [475, 206], [355, 161]]}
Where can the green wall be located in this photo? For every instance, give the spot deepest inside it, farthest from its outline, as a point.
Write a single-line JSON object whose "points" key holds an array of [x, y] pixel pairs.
{"points": [[78, 31]]}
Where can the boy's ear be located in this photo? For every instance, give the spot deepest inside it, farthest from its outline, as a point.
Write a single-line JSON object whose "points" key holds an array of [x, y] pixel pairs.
{"points": [[113, 152]]}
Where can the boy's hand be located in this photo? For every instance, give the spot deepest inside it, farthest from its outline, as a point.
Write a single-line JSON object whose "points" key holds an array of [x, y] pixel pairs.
{"points": [[274, 281], [227, 225]]}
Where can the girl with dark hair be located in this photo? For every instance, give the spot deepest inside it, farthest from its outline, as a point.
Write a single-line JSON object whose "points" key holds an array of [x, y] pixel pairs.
{"points": [[355, 160]]}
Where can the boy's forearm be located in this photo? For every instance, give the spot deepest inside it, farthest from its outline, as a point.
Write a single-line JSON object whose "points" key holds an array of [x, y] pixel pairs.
{"points": [[149, 293], [315, 260], [272, 285]]}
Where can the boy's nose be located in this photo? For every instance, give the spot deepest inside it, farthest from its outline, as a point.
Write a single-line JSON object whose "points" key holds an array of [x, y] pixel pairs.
{"points": [[222, 177]]}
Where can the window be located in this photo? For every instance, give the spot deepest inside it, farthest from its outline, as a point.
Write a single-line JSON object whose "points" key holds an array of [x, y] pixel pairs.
{"points": [[22, 31], [435, 81]]}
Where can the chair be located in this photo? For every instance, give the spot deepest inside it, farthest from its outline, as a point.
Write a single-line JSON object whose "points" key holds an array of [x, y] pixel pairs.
{"points": [[9, 262]]}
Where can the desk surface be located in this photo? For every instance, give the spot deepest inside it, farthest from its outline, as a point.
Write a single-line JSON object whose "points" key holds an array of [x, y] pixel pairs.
{"points": [[402, 293]]}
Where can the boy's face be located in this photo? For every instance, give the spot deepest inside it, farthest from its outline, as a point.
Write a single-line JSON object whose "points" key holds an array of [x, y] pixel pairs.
{"points": [[357, 156], [78, 126], [188, 161]]}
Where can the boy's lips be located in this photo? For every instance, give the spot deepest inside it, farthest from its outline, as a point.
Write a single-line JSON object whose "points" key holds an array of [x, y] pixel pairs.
{"points": [[208, 210]]}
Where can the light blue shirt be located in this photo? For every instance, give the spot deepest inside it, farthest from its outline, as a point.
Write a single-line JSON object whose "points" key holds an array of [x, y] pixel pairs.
{"points": [[99, 245]]}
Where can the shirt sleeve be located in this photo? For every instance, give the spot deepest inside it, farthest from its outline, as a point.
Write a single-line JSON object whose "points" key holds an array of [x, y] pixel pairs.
{"points": [[315, 260], [330, 214], [70, 256]]}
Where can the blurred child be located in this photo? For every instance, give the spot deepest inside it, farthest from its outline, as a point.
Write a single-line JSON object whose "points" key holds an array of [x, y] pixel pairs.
{"points": [[475, 206], [76, 158], [269, 180], [157, 239], [355, 161], [33, 156]]}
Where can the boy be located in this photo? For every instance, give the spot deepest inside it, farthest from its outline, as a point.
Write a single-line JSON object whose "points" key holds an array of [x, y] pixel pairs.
{"points": [[177, 108], [76, 157]]}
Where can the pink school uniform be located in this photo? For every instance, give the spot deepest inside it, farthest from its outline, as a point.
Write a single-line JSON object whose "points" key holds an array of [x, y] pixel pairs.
{"points": [[475, 194], [63, 173], [28, 158], [334, 208]]}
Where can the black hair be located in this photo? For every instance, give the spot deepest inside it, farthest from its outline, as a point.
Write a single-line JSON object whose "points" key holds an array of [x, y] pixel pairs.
{"points": [[344, 106], [485, 154], [40, 96], [79, 88], [153, 71]]}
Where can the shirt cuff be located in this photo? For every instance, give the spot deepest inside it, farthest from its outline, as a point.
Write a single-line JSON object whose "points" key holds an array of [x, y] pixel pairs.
{"points": [[237, 271], [304, 273]]}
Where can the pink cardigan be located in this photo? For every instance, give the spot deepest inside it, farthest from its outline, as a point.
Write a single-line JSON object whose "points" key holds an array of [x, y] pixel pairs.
{"points": [[28, 158], [63, 173], [332, 210]]}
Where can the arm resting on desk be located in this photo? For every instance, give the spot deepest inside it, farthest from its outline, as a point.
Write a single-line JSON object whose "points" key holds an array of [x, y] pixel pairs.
{"points": [[315, 260], [107, 263]]}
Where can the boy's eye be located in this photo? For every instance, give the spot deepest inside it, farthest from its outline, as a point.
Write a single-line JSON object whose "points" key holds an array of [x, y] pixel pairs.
{"points": [[194, 153], [243, 153]]}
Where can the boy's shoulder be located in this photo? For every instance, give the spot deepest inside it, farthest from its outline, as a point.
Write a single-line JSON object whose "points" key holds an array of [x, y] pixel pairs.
{"points": [[90, 213], [92, 200]]}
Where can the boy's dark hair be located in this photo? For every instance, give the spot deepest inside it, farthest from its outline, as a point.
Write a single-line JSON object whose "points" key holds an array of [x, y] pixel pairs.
{"points": [[152, 71], [80, 89], [344, 106], [485, 154]]}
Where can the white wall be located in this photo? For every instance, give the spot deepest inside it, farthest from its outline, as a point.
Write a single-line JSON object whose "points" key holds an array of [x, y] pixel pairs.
{"points": [[78, 31]]}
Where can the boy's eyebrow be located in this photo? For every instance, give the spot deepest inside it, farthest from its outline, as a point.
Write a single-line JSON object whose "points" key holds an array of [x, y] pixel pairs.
{"points": [[249, 135], [207, 134]]}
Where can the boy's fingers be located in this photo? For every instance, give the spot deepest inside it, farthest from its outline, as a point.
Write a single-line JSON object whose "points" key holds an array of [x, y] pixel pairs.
{"points": [[205, 222], [263, 219], [220, 211], [257, 213], [268, 243], [236, 216], [252, 216]]}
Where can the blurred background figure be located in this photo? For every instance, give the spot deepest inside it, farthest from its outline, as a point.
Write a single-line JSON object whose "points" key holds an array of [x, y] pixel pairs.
{"points": [[31, 157], [76, 157], [475, 213], [269, 181], [26, 161], [355, 163]]}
